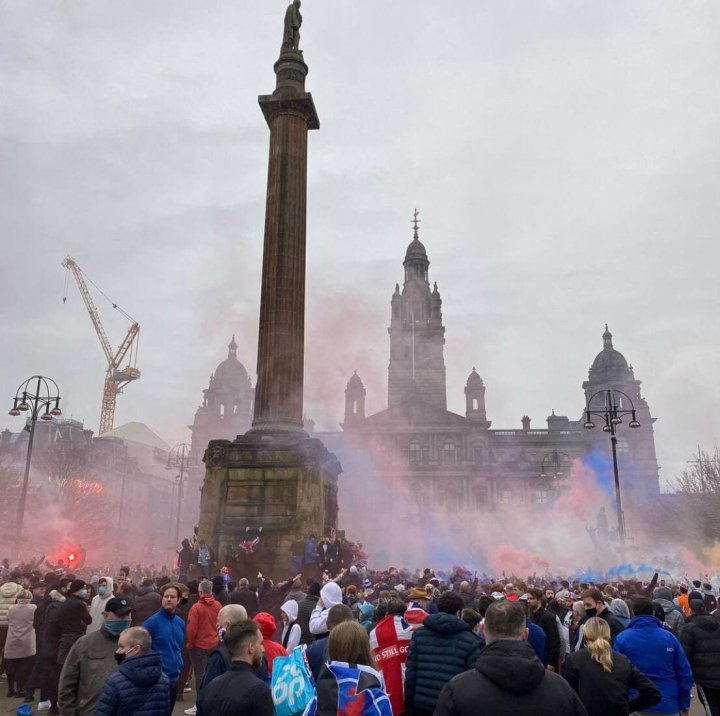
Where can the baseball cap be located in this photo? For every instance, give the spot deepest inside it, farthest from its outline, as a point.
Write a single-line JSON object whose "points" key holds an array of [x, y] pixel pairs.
{"points": [[118, 605]]}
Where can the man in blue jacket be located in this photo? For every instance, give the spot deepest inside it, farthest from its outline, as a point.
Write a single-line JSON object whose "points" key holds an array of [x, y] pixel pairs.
{"points": [[656, 652], [139, 685], [167, 630]]}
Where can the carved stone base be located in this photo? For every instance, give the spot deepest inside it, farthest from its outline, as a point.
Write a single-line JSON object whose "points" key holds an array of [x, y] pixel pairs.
{"points": [[284, 483]]}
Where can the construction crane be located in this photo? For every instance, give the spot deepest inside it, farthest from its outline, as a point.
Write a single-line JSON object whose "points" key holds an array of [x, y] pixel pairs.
{"points": [[116, 377]]}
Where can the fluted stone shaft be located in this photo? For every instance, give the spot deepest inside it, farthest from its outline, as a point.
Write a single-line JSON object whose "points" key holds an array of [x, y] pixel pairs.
{"points": [[290, 113]]}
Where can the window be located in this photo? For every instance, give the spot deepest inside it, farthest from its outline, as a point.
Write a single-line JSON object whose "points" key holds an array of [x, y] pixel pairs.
{"points": [[475, 405], [449, 453], [540, 497], [415, 453], [505, 497], [479, 499], [478, 454]]}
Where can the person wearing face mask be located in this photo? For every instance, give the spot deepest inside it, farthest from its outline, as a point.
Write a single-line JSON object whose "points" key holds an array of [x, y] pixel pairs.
{"points": [[97, 606], [139, 686], [91, 661], [595, 606]]}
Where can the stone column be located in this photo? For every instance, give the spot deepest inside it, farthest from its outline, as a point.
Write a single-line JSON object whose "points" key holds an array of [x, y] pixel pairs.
{"points": [[290, 113]]}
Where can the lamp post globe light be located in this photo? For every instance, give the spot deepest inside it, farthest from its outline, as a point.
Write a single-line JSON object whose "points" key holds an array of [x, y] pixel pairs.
{"points": [[179, 459], [39, 396], [611, 412]]}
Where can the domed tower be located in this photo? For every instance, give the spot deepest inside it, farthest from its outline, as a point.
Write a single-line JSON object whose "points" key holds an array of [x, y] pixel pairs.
{"points": [[354, 401], [226, 411], [475, 400], [417, 335], [636, 448]]}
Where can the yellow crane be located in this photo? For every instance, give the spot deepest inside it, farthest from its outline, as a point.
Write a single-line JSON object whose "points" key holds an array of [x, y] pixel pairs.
{"points": [[116, 377]]}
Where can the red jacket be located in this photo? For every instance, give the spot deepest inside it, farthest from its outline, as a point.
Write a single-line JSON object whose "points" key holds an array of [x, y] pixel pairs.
{"points": [[268, 627], [202, 623]]}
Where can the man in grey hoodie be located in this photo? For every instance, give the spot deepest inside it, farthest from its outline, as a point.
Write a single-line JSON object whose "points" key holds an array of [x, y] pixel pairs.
{"points": [[674, 617]]}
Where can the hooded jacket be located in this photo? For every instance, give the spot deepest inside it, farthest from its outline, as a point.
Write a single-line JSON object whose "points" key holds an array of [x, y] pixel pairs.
{"points": [[509, 680], [330, 594], [674, 616], [700, 638], [145, 604], [8, 594], [442, 648], [202, 623], [138, 687], [291, 631], [97, 606], [268, 626], [658, 654]]}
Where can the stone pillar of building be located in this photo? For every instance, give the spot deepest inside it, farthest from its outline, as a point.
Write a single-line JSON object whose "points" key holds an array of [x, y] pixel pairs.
{"points": [[275, 477]]}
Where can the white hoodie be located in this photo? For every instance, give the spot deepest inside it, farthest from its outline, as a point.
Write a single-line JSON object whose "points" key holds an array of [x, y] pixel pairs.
{"points": [[291, 629], [330, 594], [97, 606]]}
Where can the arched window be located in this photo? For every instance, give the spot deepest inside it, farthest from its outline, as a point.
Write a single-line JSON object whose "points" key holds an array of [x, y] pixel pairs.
{"points": [[475, 404]]}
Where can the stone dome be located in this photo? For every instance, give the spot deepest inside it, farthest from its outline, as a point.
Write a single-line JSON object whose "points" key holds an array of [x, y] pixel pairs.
{"points": [[231, 372], [474, 379], [355, 381], [609, 360], [416, 251]]}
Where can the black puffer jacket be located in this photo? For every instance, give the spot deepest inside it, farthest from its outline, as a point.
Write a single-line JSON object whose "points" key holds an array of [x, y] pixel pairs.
{"points": [[441, 648], [605, 693], [509, 680], [700, 638]]}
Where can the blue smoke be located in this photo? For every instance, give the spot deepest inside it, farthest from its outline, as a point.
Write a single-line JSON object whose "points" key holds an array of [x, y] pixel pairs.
{"points": [[601, 464]]}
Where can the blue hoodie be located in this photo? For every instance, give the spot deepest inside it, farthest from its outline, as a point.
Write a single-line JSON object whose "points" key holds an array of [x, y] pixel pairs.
{"points": [[658, 654], [167, 630]]}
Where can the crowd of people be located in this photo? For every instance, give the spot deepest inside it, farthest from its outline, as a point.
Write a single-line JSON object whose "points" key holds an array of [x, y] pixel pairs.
{"points": [[354, 640]]}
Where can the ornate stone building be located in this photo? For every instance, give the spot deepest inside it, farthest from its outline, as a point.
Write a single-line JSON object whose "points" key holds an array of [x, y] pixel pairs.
{"points": [[442, 460]]}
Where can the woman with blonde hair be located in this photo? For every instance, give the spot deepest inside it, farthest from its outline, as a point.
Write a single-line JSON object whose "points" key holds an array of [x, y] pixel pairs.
{"points": [[348, 682], [603, 678]]}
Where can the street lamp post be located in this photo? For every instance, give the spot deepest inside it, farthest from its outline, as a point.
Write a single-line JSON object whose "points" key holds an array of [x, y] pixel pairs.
{"points": [[179, 459], [612, 414], [46, 396]]}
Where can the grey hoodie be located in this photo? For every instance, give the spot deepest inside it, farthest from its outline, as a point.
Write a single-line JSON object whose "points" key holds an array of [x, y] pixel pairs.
{"points": [[674, 617]]}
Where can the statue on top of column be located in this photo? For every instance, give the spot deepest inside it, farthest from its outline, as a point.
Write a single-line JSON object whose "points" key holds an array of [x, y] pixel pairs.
{"points": [[293, 21]]}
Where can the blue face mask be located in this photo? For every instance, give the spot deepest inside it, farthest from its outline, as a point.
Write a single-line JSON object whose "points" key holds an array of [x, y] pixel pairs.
{"points": [[102, 590], [117, 626], [83, 593]]}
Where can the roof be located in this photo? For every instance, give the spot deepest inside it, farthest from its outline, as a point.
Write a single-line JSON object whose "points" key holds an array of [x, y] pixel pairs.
{"points": [[137, 433], [416, 251], [413, 413]]}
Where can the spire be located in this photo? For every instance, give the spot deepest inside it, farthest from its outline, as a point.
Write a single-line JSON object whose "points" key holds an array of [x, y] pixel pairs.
{"points": [[607, 338], [232, 348], [415, 221]]}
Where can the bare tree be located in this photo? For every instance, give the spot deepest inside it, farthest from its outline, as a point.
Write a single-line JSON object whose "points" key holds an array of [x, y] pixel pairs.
{"points": [[699, 488]]}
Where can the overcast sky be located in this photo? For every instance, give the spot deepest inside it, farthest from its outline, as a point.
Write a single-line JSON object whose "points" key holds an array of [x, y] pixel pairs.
{"points": [[564, 157]]}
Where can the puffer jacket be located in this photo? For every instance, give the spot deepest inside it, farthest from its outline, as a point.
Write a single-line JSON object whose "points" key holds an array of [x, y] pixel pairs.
{"points": [[442, 648], [20, 642], [8, 595], [137, 688], [700, 638], [509, 680]]}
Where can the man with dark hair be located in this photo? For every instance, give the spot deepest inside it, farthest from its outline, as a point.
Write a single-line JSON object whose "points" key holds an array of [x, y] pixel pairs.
{"points": [[441, 648], [239, 691], [167, 631], [656, 652], [595, 606], [549, 623], [508, 679]]}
